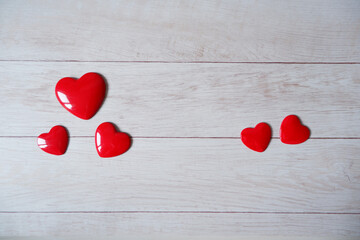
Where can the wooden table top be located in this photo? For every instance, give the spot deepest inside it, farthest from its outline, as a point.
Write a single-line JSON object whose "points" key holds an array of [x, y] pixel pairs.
{"points": [[184, 78]]}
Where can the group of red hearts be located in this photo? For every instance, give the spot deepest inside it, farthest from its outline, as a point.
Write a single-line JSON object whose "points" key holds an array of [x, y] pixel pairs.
{"points": [[84, 97]]}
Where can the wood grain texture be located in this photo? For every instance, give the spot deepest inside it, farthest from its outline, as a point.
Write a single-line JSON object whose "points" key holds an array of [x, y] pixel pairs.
{"points": [[182, 175], [180, 82], [265, 31], [186, 100], [204, 225]]}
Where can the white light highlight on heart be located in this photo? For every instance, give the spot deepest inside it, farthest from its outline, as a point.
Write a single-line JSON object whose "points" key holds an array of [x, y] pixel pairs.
{"points": [[64, 100], [98, 141]]}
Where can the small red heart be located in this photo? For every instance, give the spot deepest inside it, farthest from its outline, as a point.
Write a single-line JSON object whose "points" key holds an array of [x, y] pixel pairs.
{"points": [[292, 131], [257, 138], [82, 97], [109, 142], [55, 142]]}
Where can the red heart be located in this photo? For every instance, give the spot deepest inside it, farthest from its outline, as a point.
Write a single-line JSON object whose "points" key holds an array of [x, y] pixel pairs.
{"points": [[257, 138], [109, 142], [82, 97], [292, 131], [55, 142]]}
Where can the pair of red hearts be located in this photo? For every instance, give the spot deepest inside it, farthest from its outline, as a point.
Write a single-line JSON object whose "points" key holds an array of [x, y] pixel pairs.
{"points": [[291, 132], [83, 98], [108, 141]]}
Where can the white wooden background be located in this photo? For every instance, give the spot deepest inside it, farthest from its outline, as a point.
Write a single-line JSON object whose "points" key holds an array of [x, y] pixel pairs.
{"points": [[184, 78]]}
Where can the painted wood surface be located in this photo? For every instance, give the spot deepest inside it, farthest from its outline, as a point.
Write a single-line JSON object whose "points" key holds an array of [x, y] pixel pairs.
{"points": [[265, 31], [183, 175], [186, 100], [183, 225], [184, 78]]}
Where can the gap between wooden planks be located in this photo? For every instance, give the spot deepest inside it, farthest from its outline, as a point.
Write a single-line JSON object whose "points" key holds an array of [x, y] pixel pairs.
{"points": [[172, 62]]}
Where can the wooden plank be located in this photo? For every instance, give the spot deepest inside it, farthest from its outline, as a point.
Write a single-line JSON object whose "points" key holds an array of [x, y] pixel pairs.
{"points": [[186, 100], [265, 31], [171, 225], [182, 175]]}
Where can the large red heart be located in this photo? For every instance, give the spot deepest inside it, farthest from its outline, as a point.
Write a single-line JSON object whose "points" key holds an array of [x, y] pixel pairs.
{"points": [[82, 97], [109, 142], [292, 131], [55, 142], [257, 138]]}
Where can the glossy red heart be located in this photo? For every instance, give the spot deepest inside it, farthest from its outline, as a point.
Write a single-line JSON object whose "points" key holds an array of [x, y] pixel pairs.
{"points": [[109, 142], [257, 138], [55, 142], [292, 131], [82, 97]]}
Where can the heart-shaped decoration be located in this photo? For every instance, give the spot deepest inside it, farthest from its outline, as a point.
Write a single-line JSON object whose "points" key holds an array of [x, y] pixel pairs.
{"points": [[109, 142], [55, 142], [257, 138], [82, 97], [292, 131]]}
